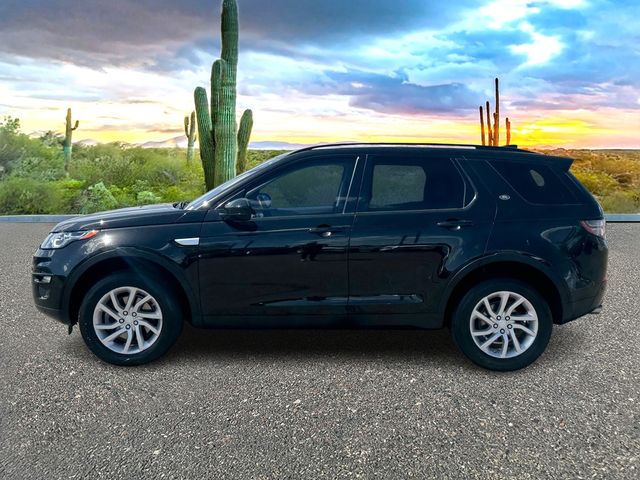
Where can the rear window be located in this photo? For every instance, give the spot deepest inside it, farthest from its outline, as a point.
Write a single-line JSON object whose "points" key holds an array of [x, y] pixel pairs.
{"points": [[535, 182]]}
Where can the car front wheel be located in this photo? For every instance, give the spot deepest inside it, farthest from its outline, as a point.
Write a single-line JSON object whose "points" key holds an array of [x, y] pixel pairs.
{"points": [[128, 320], [502, 324]]}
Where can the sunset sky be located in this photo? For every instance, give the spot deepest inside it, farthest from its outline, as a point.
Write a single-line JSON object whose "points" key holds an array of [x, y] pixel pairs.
{"points": [[317, 71]]}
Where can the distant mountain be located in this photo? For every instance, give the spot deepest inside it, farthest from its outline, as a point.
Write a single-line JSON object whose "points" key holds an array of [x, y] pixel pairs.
{"points": [[175, 142], [88, 142]]}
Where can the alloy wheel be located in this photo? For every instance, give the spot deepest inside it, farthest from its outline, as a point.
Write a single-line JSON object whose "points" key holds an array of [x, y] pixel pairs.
{"points": [[504, 324], [127, 320]]}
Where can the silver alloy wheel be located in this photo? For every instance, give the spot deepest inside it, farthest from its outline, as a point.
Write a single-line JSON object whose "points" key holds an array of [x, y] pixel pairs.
{"points": [[504, 324], [127, 320]]}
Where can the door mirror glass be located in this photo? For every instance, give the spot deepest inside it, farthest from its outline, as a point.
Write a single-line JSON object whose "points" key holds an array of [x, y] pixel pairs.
{"points": [[238, 210]]}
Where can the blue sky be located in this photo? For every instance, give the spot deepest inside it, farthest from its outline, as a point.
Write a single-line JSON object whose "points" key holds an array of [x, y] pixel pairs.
{"points": [[333, 70]]}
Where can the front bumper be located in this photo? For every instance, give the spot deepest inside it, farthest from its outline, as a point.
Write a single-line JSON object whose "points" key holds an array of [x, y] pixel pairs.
{"points": [[47, 285], [47, 295]]}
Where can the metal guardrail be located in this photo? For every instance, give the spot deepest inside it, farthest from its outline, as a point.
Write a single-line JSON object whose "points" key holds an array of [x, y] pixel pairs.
{"points": [[613, 218]]}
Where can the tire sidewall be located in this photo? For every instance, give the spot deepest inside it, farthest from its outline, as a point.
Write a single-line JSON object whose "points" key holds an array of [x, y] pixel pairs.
{"points": [[462, 335], [171, 319]]}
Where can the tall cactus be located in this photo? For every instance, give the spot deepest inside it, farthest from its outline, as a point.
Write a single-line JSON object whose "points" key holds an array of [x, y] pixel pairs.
{"points": [[496, 117], [68, 142], [493, 122], [488, 112], [244, 132], [219, 137], [190, 132], [484, 142]]}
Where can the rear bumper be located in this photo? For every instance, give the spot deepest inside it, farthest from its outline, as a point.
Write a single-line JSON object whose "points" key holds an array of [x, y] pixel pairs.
{"points": [[584, 306]]}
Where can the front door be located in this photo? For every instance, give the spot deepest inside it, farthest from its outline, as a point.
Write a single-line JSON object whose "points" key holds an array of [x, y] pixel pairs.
{"points": [[288, 264], [419, 218]]}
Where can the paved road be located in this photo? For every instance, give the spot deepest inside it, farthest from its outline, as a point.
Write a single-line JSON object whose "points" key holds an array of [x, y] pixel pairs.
{"points": [[318, 404]]}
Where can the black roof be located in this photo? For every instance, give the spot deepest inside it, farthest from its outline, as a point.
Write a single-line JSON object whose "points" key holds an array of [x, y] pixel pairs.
{"points": [[483, 151]]}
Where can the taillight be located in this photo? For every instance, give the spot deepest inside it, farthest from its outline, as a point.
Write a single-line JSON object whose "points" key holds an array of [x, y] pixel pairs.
{"points": [[595, 227]]}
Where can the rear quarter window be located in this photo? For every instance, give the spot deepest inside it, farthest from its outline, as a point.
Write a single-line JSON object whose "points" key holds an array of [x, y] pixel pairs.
{"points": [[537, 183]]}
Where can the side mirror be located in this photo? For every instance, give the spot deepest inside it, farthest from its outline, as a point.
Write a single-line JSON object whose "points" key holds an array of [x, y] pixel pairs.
{"points": [[238, 210]]}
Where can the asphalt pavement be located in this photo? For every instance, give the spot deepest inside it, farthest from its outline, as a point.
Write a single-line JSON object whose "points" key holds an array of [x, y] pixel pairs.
{"points": [[318, 404]]}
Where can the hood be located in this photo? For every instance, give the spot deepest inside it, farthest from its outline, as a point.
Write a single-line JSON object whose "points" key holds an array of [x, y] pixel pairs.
{"points": [[160, 214]]}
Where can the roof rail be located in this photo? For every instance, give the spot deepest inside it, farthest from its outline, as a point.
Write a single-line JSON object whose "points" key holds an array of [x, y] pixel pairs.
{"points": [[408, 144]]}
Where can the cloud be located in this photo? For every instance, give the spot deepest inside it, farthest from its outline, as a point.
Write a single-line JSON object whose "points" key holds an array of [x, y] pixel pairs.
{"points": [[122, 32], [328, 59], [394, 94]]}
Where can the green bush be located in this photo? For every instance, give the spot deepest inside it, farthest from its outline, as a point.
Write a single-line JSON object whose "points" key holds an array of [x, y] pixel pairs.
{"points": [[98, 198], [621, 202], [22, 196], [598, 183], [45, 167], [148, 198], [70, 195]]}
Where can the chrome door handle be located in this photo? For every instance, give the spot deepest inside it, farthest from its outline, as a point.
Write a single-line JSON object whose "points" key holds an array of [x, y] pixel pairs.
{"points": [[325, 230], [455, 224]]}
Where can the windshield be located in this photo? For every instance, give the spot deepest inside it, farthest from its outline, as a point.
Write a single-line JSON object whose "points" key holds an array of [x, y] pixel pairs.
{"points": [[204, 200]]}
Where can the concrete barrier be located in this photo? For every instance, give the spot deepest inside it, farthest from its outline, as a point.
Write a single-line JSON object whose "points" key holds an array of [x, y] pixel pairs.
{"points": [[35, 218]]}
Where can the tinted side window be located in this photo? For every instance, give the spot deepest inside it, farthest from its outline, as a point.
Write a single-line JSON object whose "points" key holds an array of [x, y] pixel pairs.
{"points": [[536, 183], [397, 185], [302, 190], [414, 183]]}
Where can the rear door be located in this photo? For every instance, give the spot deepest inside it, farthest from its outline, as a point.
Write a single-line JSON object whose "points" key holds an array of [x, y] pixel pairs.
{"points": [[419, 218]]}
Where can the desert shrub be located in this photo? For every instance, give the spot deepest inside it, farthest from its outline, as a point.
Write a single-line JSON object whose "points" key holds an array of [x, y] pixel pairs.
{"points": [[621, 202], [27, 157], [20, 195], [147, 198], [597, 183], [69, 195], [256, 157], [176, 193], [98, 198], [124, 196], [46, 167], [109, 166]]}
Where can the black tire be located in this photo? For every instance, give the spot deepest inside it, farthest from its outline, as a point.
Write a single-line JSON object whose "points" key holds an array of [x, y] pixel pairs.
{"points": [[171, 319], [461, 333]]}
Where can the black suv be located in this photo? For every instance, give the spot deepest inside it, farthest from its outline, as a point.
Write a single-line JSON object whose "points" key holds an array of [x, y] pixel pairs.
{"points": [[497, 244]]}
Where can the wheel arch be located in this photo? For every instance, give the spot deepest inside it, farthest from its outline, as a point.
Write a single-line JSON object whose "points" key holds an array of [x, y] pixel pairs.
{"points": [[143, 263], [516, 266]]}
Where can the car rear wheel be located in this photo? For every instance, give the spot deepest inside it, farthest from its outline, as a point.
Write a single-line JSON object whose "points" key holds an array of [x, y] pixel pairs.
{"points": [[128, 320], [502, 324]]}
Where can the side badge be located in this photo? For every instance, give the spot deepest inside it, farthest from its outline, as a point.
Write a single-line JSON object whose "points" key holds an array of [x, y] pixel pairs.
{"points": [[504, 197]]}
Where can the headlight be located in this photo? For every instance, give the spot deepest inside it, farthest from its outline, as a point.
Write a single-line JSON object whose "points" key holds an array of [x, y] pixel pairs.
{"points": [[62, 239]]}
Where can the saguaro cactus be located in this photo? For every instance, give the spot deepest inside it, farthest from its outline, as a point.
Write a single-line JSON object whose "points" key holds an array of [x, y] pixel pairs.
{"points": [[484, 141], [68, 142], [490, 138], [217, 130], [244, 132], [190, 132], [493, 122], [496, 117]]}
